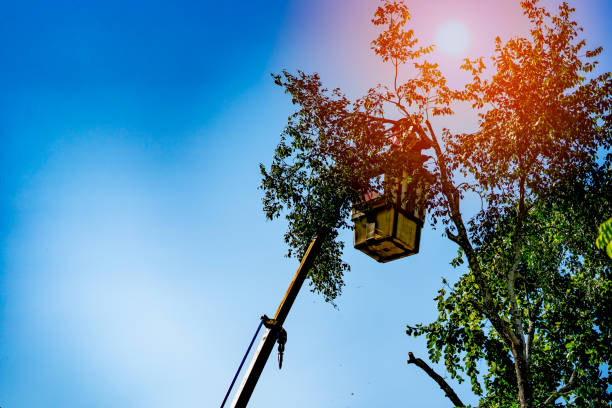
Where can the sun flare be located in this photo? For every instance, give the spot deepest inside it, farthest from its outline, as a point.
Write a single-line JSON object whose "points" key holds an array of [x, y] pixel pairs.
{"points": [[453, 37]]}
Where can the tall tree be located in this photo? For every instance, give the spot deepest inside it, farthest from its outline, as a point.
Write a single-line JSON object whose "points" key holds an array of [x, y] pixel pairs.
{"points": [[533, 301]]}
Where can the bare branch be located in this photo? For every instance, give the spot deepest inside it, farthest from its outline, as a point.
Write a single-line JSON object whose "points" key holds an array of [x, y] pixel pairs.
{"points": [[449, 392]]}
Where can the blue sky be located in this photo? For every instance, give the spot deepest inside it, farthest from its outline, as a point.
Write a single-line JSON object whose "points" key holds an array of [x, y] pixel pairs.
{"points": [[135, 259]]}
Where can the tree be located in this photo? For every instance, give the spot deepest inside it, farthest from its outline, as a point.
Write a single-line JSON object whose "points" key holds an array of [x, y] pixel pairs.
{"points": [[532, 303]]}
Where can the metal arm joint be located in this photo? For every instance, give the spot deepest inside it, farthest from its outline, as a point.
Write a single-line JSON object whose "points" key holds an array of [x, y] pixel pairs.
{"points": [[281, 336]]}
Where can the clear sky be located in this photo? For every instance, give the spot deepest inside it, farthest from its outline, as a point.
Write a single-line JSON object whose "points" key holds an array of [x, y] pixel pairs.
{"points": [[135, 259]]}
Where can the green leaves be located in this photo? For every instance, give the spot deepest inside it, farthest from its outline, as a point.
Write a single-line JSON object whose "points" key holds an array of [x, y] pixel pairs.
{"points": [[604, 239], [527, 320], [328, 157], [323, 162]]}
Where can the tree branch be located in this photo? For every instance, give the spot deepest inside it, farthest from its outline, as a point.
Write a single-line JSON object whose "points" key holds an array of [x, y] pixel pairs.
{"points": [[452, 197], [517, 325], [531, 327], [571, 384], [397, 103], [450, 393], [453, 237], [383, 120]]}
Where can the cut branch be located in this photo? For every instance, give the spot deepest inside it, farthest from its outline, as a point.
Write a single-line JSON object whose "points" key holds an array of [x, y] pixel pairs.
{"points": [[450, 393]]}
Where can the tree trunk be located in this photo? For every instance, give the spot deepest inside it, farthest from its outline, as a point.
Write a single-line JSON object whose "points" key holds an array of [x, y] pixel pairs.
{"points": [[523, 377]]}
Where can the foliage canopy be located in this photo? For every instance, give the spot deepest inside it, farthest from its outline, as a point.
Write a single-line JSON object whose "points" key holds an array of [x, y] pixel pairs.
{"points": [[532, 301]]}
